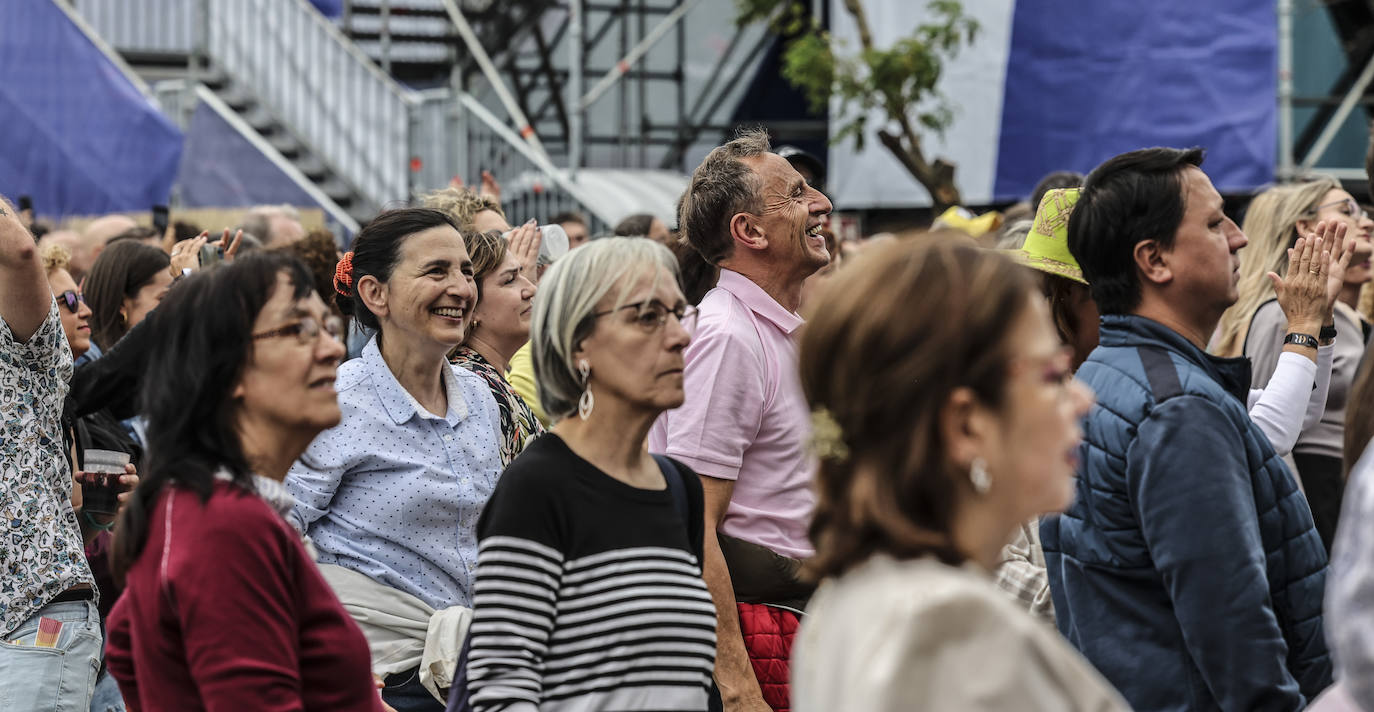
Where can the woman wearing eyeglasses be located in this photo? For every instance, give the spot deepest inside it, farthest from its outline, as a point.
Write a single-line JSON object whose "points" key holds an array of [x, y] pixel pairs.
{"points": [[223, 608], [391, 496], [1255, 325], [500, 326], [588, 591]]}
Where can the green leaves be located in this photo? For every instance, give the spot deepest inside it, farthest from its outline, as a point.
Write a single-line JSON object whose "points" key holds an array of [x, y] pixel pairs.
{"points": [[899, 81]]}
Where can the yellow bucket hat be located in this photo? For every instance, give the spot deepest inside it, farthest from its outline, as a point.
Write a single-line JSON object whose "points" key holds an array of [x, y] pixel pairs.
{"points": [[1047, 246], [960, 218]]}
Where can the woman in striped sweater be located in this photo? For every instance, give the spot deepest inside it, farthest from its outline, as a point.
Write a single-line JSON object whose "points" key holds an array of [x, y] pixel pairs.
{"points": [[588, 585]]}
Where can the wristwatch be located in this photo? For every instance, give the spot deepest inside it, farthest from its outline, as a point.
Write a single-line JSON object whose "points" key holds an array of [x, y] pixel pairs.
{"points": [[1305, 340]]}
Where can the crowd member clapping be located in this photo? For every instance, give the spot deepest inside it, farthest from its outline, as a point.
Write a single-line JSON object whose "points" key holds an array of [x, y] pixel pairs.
{"points": [[1189, 555], [499, 327], [588, 590], [1259, 327], [391, 496], [223, 607], [938, 437], [48, 616]]}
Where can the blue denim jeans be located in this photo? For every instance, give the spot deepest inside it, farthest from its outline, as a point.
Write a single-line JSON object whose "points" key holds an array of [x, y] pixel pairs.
{"points": [[52, 679], [107, 697]]}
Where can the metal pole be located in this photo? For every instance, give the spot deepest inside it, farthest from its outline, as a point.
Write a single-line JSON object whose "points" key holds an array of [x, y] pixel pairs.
{"points": [[622, 122], [386, 36], [623, 66], [576, 38], [479, 54], [540, 160], [1328, 134], [458, 124], [1286, 90]]}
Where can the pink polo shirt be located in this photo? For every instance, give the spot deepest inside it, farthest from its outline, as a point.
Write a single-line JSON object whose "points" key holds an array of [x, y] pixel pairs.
{"points": [[745, 418]]}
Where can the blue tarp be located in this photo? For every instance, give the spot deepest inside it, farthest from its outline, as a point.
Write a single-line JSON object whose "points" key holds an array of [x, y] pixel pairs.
{"points": [[222, 169], [1086, 81], [77, 136]]}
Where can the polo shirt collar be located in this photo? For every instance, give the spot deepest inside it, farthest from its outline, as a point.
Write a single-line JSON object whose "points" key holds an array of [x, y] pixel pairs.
{"points": [[397, 401], [758, 301]]}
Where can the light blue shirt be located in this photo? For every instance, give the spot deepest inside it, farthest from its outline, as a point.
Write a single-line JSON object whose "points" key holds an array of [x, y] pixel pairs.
{"points": [[394, 491]]}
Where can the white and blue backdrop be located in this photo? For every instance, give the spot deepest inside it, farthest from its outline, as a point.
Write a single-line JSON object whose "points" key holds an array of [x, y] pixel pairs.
{"points": [[1065, 84]]}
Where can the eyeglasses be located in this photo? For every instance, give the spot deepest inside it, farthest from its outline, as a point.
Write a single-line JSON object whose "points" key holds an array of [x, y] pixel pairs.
{"points": [[306, 330], [653, 315], [1352, 208], [71, 300]]}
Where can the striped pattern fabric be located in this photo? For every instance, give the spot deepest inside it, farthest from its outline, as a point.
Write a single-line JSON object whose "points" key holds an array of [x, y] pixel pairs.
{"points": [[626, 629]]}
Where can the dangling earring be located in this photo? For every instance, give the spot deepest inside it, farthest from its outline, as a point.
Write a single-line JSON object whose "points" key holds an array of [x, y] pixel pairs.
{"points": [[587, 401], [978, 475]]}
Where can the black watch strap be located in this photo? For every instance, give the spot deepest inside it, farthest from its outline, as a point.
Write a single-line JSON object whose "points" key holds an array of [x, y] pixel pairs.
{"points": [[1328, 333], [1301, 340]]}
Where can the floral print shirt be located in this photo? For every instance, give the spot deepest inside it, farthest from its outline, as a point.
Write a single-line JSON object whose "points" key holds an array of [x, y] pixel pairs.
{"points": [[519, 426], [41, 552]]}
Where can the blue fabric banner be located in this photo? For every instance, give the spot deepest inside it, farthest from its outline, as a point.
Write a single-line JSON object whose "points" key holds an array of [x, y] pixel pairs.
{"points": [[76, 133], [1086, 81]]}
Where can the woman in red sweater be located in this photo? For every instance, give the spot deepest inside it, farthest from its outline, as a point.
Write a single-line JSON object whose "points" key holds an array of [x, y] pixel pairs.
{"points": [[223, 608]]}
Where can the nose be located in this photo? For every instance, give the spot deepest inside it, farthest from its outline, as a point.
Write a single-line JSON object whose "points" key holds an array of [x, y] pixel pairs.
{"points": [[331, 347], [820, 205], [1082, 398], [464, 287], [1237, 238], [676, 334], [527, 289], [83, 310]]}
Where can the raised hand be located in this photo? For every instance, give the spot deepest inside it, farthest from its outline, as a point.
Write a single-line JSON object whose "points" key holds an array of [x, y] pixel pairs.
{"points": [[1302, 291], [524, 242]]}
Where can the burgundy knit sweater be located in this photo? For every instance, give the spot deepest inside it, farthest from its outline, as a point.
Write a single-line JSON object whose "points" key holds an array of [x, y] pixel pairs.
{"points": [[225, 610]]}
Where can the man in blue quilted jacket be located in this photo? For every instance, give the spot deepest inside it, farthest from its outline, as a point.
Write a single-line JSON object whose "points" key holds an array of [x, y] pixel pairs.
{"points": [[1188, 569]]}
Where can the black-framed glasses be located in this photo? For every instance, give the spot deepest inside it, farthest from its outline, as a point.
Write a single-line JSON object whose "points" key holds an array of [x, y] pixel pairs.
{"points": [[1352, 208], [71, 300], [652, 315], [306, 330]]}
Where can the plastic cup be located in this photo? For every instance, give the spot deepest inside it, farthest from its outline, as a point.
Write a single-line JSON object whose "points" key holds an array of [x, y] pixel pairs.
{"points": [[102, 496]]}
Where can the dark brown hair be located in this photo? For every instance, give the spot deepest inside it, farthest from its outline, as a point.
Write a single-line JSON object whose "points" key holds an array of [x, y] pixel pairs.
{"points": [[121, 270], [883, 371], [320, 252]]}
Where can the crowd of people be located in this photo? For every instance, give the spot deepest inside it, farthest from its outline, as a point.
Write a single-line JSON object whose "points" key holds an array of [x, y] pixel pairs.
{"points": [[1110, 456]]}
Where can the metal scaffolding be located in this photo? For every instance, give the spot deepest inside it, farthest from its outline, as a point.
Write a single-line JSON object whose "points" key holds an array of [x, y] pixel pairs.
{"points": [[1353, 21]]}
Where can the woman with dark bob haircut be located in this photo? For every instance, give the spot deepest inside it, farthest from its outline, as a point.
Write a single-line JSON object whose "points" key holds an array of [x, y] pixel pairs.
{"points": [[223, 608], [127, 281], [391, 496], [940, 430]]}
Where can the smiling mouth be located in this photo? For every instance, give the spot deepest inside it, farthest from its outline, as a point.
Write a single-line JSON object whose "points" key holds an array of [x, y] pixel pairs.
{"points": [[323, 383], [814, 231], [448, 312]]}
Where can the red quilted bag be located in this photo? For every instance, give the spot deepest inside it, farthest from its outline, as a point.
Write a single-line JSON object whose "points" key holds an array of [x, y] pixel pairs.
{"points": [[768, 634]]}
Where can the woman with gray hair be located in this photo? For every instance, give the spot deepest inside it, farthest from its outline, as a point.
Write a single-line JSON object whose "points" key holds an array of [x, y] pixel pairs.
{"points": [[588, 589]]}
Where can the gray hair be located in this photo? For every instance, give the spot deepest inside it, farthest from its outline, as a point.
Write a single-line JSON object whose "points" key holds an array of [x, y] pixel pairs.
{"points": [[257, 222], [721, 187], [568, 296]]}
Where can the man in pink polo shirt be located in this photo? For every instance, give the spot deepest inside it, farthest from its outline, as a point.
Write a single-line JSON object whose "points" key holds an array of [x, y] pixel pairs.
{"points": [[745, 424]]}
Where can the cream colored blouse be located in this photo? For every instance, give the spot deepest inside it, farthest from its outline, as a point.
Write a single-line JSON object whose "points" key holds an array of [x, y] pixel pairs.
{"points": [[893, 636]]}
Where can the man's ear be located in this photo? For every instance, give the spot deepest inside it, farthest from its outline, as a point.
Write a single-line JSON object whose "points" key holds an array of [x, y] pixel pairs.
{"points": [[374, 295], [745, 231], [1153, 262]]}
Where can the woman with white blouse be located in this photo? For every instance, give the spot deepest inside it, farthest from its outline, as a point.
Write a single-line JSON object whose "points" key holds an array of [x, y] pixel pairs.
{"points": [[940, 430], [390, 497]]}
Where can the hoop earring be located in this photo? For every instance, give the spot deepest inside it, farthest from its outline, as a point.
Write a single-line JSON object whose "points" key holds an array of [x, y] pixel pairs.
{"points": [[587, 401], [978, 476]]}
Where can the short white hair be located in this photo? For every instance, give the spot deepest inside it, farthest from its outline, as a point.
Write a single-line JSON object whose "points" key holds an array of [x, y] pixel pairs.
{"points": [[568, 296]]}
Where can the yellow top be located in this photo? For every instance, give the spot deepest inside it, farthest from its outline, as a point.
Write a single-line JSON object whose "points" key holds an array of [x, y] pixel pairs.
{"points": [[521, 378]]}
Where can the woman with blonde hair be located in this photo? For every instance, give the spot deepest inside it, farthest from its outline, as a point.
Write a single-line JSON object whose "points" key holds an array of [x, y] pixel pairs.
{"points": [[1257, 327], [938, 437]]}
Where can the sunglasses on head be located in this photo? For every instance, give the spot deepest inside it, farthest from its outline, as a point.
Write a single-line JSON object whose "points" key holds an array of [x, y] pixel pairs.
{"points": [[71, 300]]}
